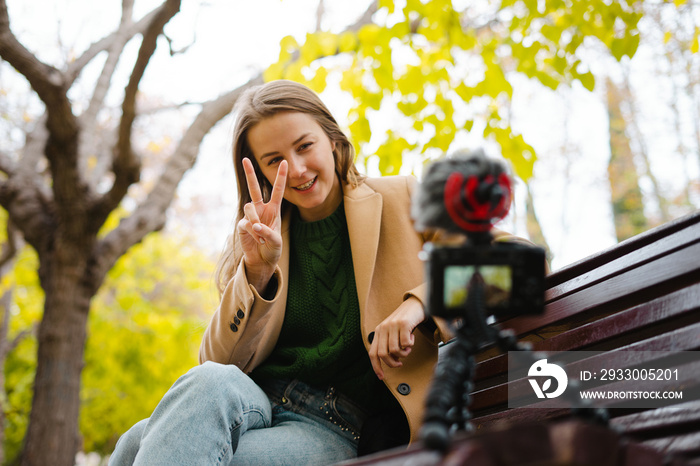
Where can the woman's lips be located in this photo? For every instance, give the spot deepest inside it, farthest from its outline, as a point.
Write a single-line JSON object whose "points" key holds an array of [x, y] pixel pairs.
{"points": [[306, 186]]}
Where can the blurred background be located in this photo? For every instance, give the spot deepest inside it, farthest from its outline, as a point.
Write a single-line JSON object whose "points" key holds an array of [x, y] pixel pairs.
{"points": [[594, 104]]}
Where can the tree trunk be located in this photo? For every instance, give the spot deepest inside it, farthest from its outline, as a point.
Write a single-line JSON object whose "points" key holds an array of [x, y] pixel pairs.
{"points": [[53, 433], [627, 202]]}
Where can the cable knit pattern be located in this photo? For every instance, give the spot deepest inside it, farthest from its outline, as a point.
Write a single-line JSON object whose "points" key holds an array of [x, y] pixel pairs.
{"points": [[321, 342]]}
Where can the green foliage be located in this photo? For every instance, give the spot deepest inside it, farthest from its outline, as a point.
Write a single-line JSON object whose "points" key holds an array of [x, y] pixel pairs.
{"points": [[144, 332], [26, 310], [442, 68], [145, 327]]}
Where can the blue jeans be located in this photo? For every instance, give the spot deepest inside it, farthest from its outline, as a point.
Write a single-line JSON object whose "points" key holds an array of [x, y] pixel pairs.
{"points": [[217, 415]]}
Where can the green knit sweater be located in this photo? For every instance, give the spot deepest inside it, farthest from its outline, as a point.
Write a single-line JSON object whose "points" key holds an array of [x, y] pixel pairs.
{"points": [[321, 342]]}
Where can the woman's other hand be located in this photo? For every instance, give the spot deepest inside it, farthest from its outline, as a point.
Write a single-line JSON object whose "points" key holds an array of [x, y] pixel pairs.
{"points": [[260, 228], [393, 338]]}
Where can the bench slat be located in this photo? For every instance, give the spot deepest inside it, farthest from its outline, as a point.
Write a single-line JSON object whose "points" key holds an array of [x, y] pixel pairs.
{"points": [[654, 251], [682, 339], [621, 249], [671, 418], [655, 312], [675, 270], [677, 445]]}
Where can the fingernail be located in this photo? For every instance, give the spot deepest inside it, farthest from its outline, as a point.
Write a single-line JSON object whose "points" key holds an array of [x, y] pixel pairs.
{"points": [[262, 240], [257, 227]]}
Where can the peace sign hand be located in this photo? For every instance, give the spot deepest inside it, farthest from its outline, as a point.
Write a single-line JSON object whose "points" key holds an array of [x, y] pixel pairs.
{"points": [[260, 228]]}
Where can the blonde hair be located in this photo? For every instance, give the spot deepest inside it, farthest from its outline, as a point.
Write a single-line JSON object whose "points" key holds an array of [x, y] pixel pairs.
{"points": [[254, 106]]}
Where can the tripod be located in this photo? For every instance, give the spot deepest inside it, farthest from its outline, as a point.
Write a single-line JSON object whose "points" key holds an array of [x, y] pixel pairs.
{"points": [[449, 397]]}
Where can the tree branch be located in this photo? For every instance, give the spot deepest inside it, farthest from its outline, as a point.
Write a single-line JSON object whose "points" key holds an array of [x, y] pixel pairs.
{"points": [[89, 118], [6, 345], [28, 207], [150, 214], [366, 17], [104, 44], [62, 140], [320, 11], [9, 248], [126, 166], [46, 80], [43, 78]]}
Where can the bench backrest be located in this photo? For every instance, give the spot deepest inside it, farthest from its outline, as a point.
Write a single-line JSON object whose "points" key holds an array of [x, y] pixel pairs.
{"points": [[640, 295]]}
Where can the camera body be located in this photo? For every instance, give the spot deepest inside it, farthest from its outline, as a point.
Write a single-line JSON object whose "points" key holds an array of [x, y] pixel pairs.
{"points": [[513, 279], [466, 194]]}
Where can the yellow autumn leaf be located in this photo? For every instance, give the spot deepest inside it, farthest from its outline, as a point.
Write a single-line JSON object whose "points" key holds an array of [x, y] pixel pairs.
{"points": [[318, 83], [311, 49], [360, 130], [368, 34], [328, 43], [273, 72], [347, 42], [293, 72]]}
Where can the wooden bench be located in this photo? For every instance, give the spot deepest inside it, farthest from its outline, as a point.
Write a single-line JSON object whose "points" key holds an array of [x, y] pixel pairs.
{"points": [[640, 295]]}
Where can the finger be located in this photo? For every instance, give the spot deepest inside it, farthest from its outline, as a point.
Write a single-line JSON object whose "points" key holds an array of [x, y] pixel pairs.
{"points": [[395, 346], [251, 213], [406, 338], [245, 227], [374, 359], [392, 361], [252, 181], [399, 353], [386, 347], [267, 234], [254, 226], [242, 226], [280, 183]]}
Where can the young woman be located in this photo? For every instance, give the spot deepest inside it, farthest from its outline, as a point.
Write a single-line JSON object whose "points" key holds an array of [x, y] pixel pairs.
{"points": [[320, 347]]}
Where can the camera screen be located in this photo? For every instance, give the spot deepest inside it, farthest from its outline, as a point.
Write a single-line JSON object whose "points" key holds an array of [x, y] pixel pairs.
{"points": [[512, 277], [498, 281]]}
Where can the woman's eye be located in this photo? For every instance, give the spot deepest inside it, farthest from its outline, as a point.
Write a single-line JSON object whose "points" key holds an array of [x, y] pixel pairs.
{"points": [[273, 161], [304, 146]]}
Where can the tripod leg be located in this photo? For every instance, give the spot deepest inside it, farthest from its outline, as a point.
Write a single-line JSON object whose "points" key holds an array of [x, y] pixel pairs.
{"points": [[453, 374]]}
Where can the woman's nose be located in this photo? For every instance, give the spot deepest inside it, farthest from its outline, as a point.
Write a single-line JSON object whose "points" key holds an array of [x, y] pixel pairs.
{"points": [[296, 167]]}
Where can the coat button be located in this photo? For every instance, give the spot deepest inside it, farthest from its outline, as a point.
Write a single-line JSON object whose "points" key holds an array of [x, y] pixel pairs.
{"points": [[370, 337], [236, 320], [404, 388], [234, 327], [240, 314]]}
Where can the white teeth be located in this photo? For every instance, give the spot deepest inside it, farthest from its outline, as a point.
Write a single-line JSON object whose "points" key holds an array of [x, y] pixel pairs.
{"points": [[305, 186]]}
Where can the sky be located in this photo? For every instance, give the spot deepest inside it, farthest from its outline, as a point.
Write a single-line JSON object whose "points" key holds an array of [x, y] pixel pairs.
{"points": [[228, 41]]}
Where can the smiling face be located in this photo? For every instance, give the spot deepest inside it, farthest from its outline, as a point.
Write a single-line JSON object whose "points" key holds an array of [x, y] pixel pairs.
{"points": [[312, 184]]}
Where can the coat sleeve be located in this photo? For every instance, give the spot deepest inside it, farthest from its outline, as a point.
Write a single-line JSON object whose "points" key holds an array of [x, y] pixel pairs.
{"points": [[434, 328], [233, 334]]}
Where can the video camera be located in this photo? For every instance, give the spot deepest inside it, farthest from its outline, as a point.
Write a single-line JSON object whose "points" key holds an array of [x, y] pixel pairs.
{"points": [[469, 282], [467, 194]]}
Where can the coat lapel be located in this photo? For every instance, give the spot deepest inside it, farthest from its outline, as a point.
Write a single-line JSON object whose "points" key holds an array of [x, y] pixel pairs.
{"points": [[363, 212]]}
